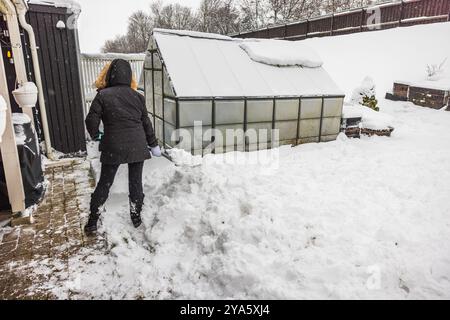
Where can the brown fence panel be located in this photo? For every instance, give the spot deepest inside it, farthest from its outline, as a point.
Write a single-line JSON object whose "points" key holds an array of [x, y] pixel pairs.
{"points": [[277, 32], [297, 30], [262, 34], [347, 20], [390, 16], [393, 15], [320, 26], [425, 8]]}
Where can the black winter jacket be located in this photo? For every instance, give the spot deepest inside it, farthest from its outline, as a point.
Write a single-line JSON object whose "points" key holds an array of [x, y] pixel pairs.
{"points": [[128, 129]]}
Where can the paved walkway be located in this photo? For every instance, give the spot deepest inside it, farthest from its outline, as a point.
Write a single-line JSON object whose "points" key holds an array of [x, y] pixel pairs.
{"points": [[56, 235]]}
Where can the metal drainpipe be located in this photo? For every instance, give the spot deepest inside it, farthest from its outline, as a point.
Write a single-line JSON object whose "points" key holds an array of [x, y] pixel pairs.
{"points": [[22, 10]]}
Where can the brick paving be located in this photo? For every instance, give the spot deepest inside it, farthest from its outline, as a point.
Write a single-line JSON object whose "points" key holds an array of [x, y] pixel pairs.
{"points": [[56, 235]]}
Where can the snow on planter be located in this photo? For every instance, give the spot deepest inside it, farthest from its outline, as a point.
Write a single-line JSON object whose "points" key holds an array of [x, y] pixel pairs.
{"points": [[364, 120], [192, 76]]}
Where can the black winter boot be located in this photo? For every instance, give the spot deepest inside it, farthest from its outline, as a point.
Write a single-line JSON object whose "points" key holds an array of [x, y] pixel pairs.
{"points": [[135, 211], [91, 226]]}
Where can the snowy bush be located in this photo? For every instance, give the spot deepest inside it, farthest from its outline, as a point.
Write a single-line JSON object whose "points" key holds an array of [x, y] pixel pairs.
{"points": [[434, 71], [365, 94]]}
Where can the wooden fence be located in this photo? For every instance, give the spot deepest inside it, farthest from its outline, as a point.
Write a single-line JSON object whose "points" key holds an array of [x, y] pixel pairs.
{"points": [[92, 64], [392, 15]]}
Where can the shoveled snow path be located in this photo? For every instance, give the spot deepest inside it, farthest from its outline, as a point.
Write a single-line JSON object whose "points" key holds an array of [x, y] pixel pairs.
{"points": [[365, 218]]}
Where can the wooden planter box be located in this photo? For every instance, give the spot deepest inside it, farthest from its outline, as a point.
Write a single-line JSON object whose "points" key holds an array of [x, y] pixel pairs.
{"points": [[420, 95], [430, 98]]}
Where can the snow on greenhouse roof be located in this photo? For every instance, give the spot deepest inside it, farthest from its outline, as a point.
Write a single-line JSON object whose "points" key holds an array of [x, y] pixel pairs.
{"points": [[281, 53], [207, 65]]}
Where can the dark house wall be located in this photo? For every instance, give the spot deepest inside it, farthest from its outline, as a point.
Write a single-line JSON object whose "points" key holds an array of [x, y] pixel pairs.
{"points": [[58, 58]]}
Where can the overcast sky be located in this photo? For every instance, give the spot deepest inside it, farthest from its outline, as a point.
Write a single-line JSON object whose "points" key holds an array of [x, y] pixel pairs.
{"points": [[101, 20]]}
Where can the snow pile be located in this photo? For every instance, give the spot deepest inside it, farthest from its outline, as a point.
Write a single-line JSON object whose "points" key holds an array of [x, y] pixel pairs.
{"points": [[370, 119], [351, 111], [365, 89], [346, 219], [376, 120], [350, 219], [184, 158], [385, 55], [282, 53]]}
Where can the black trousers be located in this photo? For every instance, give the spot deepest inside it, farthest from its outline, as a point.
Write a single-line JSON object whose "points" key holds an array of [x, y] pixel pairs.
{"points": [[106, 181]]}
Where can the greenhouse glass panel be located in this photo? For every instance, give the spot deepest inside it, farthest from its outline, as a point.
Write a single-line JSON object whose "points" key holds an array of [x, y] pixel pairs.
{"points": [[156, 61], [168, 130], [148, 61], [159, 105], [286, 109], [239, 148], [229, 112], [168, 90], [311, 108], [230, 135], [259, 110], [170, 111], [333, 107], [287, 129], [291, 142], [152, 44], [199, 139], [256, 147], [159, 129], [157, 77], [329, 138], [148, 91], [191, 111], [262, 130], [331, 126], [308, 140], [309, 128]]}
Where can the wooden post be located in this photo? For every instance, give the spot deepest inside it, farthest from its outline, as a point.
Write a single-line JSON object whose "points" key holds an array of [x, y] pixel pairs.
{"points": [[332, 24], [401, 14], [9, 152]]}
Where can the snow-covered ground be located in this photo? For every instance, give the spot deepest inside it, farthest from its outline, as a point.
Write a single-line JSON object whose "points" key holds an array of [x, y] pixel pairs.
{"points": [[354, 218], [348, 219], [386, 56]]}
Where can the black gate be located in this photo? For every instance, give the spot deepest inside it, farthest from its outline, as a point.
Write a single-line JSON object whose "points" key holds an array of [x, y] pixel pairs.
{"points": [[58, 58]]}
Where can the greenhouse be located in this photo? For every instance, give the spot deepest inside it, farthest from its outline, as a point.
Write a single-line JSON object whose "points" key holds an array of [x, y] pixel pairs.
{"points": [[237, 85]]}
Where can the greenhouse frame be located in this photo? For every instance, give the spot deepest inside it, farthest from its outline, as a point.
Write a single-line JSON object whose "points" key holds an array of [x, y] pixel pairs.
{"points": [[190, 76]]}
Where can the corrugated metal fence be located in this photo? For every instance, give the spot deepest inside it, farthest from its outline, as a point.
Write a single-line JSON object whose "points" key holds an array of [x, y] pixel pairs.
{"points": [[392, 15], [92, 64]]}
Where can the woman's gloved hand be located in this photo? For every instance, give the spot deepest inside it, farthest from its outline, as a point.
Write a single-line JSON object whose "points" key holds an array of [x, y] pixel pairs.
{"points": [[156, 151], [99, 136]]}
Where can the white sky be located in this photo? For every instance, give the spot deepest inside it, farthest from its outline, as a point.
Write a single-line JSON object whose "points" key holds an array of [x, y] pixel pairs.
{"points": [[101, 20]]}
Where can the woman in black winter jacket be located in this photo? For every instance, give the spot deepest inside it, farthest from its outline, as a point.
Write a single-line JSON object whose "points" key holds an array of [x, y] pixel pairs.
{"points": [[128, 138]]}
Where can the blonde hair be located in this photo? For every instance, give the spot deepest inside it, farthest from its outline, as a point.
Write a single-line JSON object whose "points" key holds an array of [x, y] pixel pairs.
{"points": [[100, 83]]}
